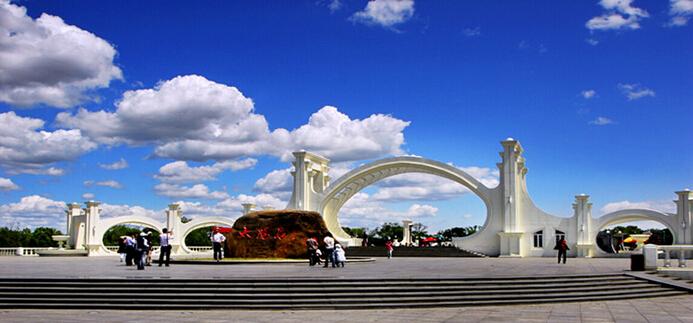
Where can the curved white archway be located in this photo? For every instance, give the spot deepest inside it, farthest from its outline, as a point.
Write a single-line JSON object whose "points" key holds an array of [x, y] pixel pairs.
{"points": [[630, 215], [338, 193], [137, 220], [195, 224]]}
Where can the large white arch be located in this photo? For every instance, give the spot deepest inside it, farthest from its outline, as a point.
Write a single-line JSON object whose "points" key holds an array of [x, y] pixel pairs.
{"points": [[195, 224], [108, 223], [338, 193]]}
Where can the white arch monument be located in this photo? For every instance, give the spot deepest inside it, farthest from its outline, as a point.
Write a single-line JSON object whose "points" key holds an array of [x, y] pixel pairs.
{"points": [[512, 219], [515, 226]]}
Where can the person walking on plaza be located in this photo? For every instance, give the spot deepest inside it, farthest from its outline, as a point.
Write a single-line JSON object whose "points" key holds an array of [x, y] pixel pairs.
{"points": [[142, 248], [389, 247], [339, 255], [121, 248], [165, 246], [312, 247], [148, 258], [217, 241], [562, 247], [329, 251], [130, 253]]}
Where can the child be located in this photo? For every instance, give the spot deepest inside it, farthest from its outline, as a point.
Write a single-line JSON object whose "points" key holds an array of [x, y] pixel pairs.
{"points": [[339, 255], [318, 254]]}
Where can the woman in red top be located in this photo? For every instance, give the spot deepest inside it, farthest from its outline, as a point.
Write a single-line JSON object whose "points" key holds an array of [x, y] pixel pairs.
{"points": [[388, 246]]}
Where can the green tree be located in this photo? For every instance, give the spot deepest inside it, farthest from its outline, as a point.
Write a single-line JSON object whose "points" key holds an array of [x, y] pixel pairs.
{"points": [[199, 237], [355, 232], [387, 231], [113, 234], [41, 237], [418, 231], [448, 234]]}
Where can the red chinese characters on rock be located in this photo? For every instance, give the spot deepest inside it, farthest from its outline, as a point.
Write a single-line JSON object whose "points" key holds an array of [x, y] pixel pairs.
{"points": [[262, 234]]}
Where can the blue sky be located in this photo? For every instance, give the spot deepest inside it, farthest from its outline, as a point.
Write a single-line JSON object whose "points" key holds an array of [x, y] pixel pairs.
{"points": [[143, 104]]}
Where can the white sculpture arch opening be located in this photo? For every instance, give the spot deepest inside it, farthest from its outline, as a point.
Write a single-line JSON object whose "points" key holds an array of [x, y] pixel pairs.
{"points": [[339, 192], [108, 223], [198, 223]]}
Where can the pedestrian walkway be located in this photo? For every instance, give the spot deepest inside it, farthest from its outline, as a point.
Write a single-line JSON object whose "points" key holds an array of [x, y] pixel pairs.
{"points": [[672, 309], [382, 267], [662, 309]]}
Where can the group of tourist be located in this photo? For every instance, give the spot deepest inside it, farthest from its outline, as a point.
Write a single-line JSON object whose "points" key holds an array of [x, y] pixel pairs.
{"points": [[136, 249], [334, 252]]}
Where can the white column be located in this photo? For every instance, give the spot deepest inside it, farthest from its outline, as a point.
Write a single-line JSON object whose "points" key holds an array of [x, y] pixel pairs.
{"points": [[74, 219], [310, 180], [407, 239], [173, 225], [684, 217], [583, 217], [91, 223], [248, 207], [512, 176]]}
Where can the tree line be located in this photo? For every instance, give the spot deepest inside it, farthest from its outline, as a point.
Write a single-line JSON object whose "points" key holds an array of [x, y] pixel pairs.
{"points": [[392, 230]]}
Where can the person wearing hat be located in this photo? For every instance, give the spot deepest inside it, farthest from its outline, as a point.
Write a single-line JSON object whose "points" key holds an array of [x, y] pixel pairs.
{"points": [[142, 248]]}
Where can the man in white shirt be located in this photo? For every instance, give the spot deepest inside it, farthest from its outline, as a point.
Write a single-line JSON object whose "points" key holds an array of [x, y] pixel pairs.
{"points": [[165, 243], [329, 251], [217, 241]]}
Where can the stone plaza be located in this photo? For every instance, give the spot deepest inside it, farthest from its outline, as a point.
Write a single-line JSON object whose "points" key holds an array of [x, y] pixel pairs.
{"points": [[661, 309]]}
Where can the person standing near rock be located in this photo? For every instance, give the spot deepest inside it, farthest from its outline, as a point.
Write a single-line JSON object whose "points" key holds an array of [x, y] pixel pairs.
{"points": [[329, 251], [217, 241], [312, 246]]}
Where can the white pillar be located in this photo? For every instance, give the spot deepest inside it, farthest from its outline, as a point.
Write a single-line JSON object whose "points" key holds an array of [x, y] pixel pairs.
{"points": [[75, 220], [407, 239], [310, 180], [248, 207], [513, 173], [91, 223], [684, 217], [649, 251], [173, 225], [583, 216]]}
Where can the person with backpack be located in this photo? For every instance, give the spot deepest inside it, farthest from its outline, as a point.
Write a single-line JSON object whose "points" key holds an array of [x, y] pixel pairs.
{"points": [[142, 248], [562, 247]]}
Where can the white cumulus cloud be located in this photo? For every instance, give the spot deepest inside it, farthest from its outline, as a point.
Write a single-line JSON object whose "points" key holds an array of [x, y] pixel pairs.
{"points": [[601, 121], [181, 172], [635, 91], [197, 191], [386, 13], [24, 148], [664, 206], [46, 61], [680, 12], [588, 94], [33, 211], [619, 14], [6, 184], [192, 118], [121, 164], [108, 183]]}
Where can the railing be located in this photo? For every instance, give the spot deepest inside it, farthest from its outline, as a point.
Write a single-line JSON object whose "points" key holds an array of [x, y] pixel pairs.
{"points": [[200, 248], [680, 249], [21, 251], [155, 249]]}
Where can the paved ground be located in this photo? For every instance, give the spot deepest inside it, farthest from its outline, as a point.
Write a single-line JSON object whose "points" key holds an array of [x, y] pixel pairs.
{"points": [[668, 309], [382, 267]]}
